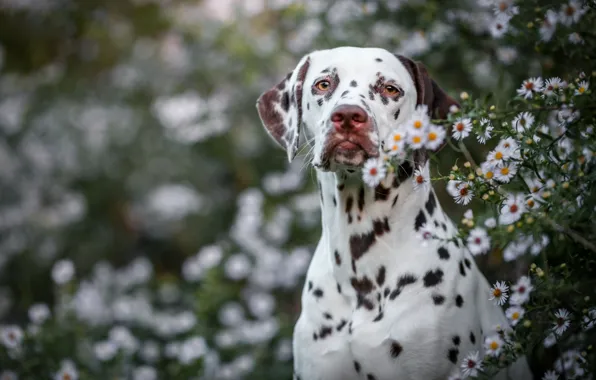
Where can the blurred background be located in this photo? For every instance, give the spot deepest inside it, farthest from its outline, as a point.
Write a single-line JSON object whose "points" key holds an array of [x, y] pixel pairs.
{"points": [[130, 147]]}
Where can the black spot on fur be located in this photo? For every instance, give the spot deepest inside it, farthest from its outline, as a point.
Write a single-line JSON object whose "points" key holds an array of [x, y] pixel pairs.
{"points": [[357, 366], [381, 275], [346, 92], [359, 244], [353, 265], [472, 337], [384, 100], [396, 349], [386, 292], [353, 83], [337, 258], [394, 200], [327, 316], [431, 203], [338, 288], [370, 376], [325, 331], [444, 226], [361, 198], [438, 299], [378, 317], [378, 60], [443, 253], [363, 285], [334, 201], [381, 226], [433, 278], [461, 268], [341, 325], [456, 340], [452, 355], [341, 186], [318, 292], [467, 262], [371, 95], [381, 192], [309, 285], [403, 281], [456, 242], [396, 114], [349, 203], [419, 221], [363, 301], [459, 300], [320, 101], [308, 106], [315, 336], [285, 101]]}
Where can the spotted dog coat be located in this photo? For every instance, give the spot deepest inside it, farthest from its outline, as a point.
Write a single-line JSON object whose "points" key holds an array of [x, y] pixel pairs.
{"points": [[377, 303]]}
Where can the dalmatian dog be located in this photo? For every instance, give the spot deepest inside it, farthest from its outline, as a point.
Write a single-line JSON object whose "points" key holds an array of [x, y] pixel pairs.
{"points": [[377, 304]]}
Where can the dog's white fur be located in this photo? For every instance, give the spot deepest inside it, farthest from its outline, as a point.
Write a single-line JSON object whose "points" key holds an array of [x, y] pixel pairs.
{"points": [[377, 303]]}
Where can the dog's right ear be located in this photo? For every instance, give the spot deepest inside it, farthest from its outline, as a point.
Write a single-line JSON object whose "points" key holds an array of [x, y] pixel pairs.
{"points": [[280, 109]]}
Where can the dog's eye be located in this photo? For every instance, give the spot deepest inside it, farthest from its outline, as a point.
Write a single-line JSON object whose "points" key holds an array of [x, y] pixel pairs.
{"points": [[391, 90], [323, 85]]}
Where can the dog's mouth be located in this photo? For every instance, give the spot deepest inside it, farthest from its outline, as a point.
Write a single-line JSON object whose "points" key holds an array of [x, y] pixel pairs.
{"points": [[348, 152]]}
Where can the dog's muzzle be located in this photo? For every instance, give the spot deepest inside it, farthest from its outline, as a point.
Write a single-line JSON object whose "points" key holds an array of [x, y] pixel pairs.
{"points": [[349, 140]]}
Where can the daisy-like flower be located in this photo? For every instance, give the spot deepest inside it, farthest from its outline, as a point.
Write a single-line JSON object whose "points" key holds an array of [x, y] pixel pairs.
{"points": [[523, 121], [471, 365], [373, 172], [488, 170], [478, 241], [589, 320], [425, 234], [550, 375], [67, 371], [462, 128], [396, 148], [460, 191], [550, 340], [416, 138], [511, 146], [561, 323], [421, 179], [493, 345], [521, 291], [515, 314], [499, 25], [487, 129], [582, 87], [549, 26], [575, 38], [552, 86], [499, 293], [505, 7], [490, 223], [530, 87], [419, 119], [506, 172], [435, 135], [512, 209], [570, 13], [11, 336]]}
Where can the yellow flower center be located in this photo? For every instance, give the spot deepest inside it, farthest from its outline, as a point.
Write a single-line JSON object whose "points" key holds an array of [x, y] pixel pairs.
{"points": [[397, 137], [416, 139], [505, 170], [499, 155], [460, 126], [417, 124], [581, 90], [494, 345], [488, 175], [394, 147], [432, 136], [497, 293], [515, 316]]}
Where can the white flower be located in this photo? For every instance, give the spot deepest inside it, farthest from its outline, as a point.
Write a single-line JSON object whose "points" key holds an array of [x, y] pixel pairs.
{"points": [[575, 38], [421, 179], [530, 87], [506, 172], [123, 338], [150, 351], [471, 365], [144, 372], [469, 214], [488, 169], [523, 121], [490, 222], [63, 271], [261, 304], [8, 375], [487, 131], [460, 191], [589, 320], [552, 86], [550, 340], [462, 128], [561, 323], [416, 138], [435, 135], [493, 345], [512, 209], [192, 349], [550, 375], [373, 172], [505, 7], [67, 371], [12, 336], [39, 313], [238, 267], [582, 87], [499, 25], [105, 350], [549, 26], [521, 291], [515, 314], [478, 241], [499, 293], [425, 234], [231, 314], [419, 119], [570, 13]]}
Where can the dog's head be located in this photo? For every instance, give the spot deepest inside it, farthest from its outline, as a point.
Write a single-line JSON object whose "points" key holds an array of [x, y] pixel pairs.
{"points": [[348, 100]]}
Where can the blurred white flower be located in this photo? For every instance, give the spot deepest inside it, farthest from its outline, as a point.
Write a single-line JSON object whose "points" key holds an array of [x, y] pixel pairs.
{"points": [[261, 305], [63, 271], [238, 267], [284, 350], [192, 349], [8, 375], [67, 371], [231, 314], [150, 351], [12, 336], [144, 372], [123, 339], [39, 313], [105, 350]]}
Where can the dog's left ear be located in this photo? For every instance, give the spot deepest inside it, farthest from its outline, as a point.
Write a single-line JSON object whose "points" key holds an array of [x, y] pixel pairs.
{"points": [[428, 90], [280, 109]]}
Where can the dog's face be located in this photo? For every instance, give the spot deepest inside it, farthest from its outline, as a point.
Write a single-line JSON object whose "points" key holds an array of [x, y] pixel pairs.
{"points": [[348, 100]]}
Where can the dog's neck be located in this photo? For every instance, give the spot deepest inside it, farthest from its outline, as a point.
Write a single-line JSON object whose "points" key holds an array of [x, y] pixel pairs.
{"points": [[367, 228]]}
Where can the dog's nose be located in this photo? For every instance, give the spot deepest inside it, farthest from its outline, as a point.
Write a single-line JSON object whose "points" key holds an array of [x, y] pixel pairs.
{"points": [[348, 117]]}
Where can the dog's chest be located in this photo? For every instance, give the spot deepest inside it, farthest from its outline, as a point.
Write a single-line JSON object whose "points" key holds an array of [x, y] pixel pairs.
{"points": [[385, 323]]}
